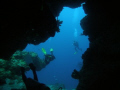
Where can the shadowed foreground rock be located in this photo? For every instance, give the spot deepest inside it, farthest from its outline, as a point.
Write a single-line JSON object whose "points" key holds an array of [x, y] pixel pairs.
{"points": [[101, 62], [25, 22], [34, 22]]}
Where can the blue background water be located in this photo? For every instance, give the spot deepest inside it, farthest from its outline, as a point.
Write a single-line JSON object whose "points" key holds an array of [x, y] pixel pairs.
{"points": [[59, 70]]}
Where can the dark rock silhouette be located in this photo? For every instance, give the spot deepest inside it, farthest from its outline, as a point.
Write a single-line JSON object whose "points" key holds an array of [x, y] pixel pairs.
{"points": [[101, 63], [34, 22]]}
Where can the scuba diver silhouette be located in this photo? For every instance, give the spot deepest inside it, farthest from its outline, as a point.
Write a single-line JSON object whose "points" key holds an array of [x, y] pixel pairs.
{"points": [[48, 57], [75, 43]]}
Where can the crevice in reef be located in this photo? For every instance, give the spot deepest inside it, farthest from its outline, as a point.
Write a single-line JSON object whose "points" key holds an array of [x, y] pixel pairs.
{"points": [[101, 62]]}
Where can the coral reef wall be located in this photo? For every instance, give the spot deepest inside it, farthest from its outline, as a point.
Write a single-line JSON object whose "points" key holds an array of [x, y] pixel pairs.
{"points": [[101, 62], [10, 75], [25, 22]]}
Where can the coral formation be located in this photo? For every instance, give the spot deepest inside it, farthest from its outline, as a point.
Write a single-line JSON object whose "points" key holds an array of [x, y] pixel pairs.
{"points": [[25, 23], [10, 75], [56, 86], [31, 57]]}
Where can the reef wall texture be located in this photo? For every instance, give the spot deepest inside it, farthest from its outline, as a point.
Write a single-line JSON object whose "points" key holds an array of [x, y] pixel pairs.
{"points": [[25, 22], [10, 75], [10, 71], [101, 62], [34, 22]]}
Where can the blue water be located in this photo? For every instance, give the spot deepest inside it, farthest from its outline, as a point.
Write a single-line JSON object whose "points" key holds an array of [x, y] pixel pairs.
{"points": [[59, 70]]}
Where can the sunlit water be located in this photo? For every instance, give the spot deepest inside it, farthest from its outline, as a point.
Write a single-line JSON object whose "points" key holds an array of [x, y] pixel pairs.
{"points": [[59, 70]]}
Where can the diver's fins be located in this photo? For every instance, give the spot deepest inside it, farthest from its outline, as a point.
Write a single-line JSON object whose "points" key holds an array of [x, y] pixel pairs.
{"points": [[51, 50], [75, 52], [44, 51]]}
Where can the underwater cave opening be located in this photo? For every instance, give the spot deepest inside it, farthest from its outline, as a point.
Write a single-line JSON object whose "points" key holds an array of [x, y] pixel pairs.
{"points": [[59, 70]]}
